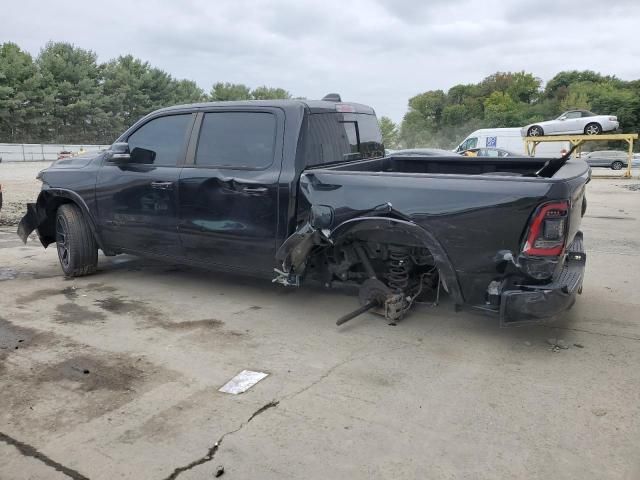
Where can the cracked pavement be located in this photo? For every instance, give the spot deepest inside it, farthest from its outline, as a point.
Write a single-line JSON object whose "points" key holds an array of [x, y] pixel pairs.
{"points": [[115, 375]]}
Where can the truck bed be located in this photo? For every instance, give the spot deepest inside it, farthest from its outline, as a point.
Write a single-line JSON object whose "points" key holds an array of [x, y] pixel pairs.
{"points": [[476, 208], [453, 165]]}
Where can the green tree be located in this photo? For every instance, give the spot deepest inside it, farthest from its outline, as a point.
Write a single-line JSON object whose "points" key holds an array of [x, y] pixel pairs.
{"points": [[187, 91], [500, 110], [71, 92], [524, 87], [19, 107], [224, 91], [389, 132], [428, 106], [269, 93]]}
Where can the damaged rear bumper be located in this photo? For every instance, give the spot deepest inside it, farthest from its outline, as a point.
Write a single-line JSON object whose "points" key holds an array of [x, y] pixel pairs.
{"points": [[535, 303]]}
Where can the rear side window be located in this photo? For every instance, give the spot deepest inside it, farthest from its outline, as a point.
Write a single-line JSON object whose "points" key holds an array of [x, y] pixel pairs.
{"points": [[161, 141], [237, 140], [334, 137]]}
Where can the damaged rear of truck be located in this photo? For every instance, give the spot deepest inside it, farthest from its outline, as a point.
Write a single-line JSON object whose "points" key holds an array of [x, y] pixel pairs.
{"points": [[498, 235], [303, 187]]}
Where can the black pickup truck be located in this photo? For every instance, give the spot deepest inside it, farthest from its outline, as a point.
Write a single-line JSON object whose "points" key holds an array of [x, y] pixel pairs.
{"points": [[295, 190]]}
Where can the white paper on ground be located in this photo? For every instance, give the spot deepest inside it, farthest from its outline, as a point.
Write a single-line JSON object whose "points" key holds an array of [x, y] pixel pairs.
{"points": [[242, 382]]}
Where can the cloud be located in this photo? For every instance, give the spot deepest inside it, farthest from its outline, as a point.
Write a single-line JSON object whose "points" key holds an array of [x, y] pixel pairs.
{"points": [[378, 52]]}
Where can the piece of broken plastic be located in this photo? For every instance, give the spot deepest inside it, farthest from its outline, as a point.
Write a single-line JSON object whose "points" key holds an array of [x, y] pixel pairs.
{"points": [[242, 382]]}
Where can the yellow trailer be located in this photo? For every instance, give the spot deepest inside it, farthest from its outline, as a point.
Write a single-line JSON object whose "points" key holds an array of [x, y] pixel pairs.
{"points": [[530, 143]]}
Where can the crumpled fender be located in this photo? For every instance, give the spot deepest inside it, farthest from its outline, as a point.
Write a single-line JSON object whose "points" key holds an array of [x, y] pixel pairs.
{"points": [[40, 214], [295, 250]]}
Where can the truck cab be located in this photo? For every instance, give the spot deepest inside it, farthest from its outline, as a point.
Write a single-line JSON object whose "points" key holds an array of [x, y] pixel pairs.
{"points": [[213, 183]]}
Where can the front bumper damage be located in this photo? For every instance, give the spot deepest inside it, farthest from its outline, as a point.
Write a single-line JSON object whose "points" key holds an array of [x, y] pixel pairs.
{"points": [[531, 304], [34, 217]]}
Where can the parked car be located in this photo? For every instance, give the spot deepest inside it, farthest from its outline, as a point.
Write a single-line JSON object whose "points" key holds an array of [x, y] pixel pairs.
{"points": [[490, 152], [424, 152], [613, 159], [300, 190], [508, 139], [573, 121]]}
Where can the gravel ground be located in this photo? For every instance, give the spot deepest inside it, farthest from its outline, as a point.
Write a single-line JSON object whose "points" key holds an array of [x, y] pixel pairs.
{"points": [[19, 186]]}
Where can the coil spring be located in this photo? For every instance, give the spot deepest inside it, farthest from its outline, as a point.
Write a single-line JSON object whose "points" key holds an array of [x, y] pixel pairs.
{"points": [[398, 275]]}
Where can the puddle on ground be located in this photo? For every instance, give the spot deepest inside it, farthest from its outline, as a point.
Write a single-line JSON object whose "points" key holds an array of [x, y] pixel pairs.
{"points": [[191, 324], [99, 287], [70, 292], [121, 306], [13, 338], [94, 373], [74, 313]]}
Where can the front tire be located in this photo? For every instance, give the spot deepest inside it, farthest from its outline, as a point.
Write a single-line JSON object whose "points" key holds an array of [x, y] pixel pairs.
{"points": [[76, 245], [535, 131], [593, 129], [617, 165]]}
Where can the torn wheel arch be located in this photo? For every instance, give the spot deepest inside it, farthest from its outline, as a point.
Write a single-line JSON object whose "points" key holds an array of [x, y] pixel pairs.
{"points": [[41, 215], [295, 251]]}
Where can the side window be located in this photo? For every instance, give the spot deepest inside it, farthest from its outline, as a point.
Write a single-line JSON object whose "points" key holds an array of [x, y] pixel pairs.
{"points": [[333, 137], [573, 115], [161, 141], [237, 140]]}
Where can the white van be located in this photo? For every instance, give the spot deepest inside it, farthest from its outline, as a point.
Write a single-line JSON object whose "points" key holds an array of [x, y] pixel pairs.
{"points": [[509, 139]]}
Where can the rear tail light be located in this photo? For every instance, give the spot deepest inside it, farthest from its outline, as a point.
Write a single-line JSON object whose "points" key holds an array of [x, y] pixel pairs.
{"points": [[547, 231]]}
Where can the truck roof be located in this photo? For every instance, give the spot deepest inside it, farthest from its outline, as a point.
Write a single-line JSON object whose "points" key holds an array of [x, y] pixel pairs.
{"points": [[314, 106]]}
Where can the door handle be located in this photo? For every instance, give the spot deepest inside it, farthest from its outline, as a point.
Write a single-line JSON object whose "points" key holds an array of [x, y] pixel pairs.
{"points": [[162, 185], [255, 190]]}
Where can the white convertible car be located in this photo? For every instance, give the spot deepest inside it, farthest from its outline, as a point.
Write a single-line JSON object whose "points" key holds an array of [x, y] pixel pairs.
{"points": [[573, 121]]}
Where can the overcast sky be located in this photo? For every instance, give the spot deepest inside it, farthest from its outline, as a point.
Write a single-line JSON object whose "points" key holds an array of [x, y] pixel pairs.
{"points": [[378, 52]]}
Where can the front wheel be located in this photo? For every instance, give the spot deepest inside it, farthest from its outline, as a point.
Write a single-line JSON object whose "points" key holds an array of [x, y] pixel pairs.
{"points": [[593, 129], [76, 245], [535, 131], [617, 165]]}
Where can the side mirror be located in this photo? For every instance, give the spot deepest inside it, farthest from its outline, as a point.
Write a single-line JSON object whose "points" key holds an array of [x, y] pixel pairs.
{"points": [[120, 152]]}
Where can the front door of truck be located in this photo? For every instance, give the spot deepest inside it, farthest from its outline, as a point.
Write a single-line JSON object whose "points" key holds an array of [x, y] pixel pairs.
{"points": [[229, 188], [137, 199]]}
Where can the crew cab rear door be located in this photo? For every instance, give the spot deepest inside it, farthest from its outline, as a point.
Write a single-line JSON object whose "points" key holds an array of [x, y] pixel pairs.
{"points": [[229, 188], [137, 200]]}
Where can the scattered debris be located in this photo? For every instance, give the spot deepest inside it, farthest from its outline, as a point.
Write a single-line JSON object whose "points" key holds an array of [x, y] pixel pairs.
{"points": [[242, 382], [557, 344], [599, 412], [634, 187], [578, 345], [219, 471]]}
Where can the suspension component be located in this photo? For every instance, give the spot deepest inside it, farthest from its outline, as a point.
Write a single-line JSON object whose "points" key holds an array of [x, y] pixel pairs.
{"points": [[399, 266]]}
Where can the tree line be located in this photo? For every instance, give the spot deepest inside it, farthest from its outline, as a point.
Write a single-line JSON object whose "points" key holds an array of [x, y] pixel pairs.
{"points": [[442, 119], [65, 96]]}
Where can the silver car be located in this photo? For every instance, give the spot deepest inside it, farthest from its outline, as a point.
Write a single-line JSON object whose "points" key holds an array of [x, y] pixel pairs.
{"points": [[573, 122], [613, 159]]}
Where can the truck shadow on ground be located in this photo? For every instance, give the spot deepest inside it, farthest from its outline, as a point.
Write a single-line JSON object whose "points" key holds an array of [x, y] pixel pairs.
{"points": [[421, 321]]}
